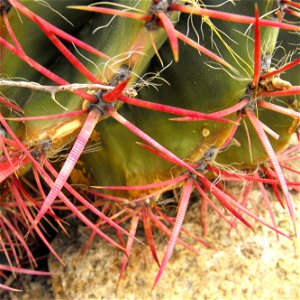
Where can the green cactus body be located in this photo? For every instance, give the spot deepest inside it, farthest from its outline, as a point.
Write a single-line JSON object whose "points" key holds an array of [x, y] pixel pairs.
{"points": [[34, 41], [222, 105], [193, 85], [200, 88], [129, 45]]}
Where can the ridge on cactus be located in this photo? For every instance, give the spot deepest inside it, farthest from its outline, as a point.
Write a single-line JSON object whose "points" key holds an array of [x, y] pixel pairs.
{"points": [[82, 128]]}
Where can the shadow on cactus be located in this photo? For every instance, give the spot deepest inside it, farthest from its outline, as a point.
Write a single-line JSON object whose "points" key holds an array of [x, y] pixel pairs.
{"points": [[221, 101]]}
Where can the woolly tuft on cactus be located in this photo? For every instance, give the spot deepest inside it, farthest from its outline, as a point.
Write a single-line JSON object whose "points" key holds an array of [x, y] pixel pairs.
{"points": [[106, 107]]}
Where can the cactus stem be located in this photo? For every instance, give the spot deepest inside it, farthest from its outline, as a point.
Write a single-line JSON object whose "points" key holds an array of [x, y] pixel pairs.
{"points": [[274, 161], [203, 50], [66, 52], [17, 5], [233, 131], [52, 76], [157, 153], [183, 203], [164, 22], [230, 16], [149, 140], [257, 52], [21, 54]]}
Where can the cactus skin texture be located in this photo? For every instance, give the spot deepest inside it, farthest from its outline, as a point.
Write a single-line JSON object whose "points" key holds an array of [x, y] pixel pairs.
{"points": [[172, 95]]}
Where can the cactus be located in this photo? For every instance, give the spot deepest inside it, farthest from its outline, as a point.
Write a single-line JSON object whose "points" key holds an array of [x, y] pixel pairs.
{"points": [[221, 110]]}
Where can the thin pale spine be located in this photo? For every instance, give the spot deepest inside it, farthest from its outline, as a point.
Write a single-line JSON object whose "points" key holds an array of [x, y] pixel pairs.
{"points": [[273, 159], [183, 203]]}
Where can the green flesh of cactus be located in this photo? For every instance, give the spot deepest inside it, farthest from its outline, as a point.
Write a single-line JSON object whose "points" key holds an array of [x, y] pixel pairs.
{"points": [[284, 125], [125, 36], [113, 155], [34, 42], [194, 83]]}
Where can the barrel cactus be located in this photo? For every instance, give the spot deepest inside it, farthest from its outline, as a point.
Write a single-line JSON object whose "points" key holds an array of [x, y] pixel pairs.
{"points": [[106, 107]]}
